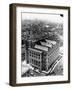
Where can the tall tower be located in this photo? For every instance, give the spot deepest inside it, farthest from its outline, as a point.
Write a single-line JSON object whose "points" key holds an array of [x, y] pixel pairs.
{"points": [[28, 43]]}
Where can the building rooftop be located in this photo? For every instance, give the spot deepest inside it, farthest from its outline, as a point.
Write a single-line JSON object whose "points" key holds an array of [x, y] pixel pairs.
{"points": [[41, 47], [51, 42], [46, 44], [35, 50]]}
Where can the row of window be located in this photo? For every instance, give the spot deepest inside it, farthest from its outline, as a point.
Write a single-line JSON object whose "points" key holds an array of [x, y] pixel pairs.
{"points": [[35, 55], [53, 50], [34, 62], [53, 53], [52, 58]]}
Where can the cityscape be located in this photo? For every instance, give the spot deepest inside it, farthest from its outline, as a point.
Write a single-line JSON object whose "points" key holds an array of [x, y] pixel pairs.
{"points": [[41, 48]]}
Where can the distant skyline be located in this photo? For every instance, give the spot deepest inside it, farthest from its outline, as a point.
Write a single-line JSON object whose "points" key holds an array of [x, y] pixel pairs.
{"points": [[46, 17]]}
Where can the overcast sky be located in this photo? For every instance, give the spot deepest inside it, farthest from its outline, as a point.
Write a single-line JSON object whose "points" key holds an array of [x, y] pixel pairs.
{"points": [[48, 17]]}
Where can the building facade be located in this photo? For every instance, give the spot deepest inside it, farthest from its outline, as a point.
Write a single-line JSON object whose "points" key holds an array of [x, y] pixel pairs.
{"points": [[52, 55], [23, 52], [35, 58]]}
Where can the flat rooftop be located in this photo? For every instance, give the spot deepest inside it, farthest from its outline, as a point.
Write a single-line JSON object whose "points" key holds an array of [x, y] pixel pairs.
{"points": [[33, 49], [46, 44], [41, 47]]}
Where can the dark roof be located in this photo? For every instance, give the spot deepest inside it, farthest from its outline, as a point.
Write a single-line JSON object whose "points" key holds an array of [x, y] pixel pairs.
{"points": [[43, 40], [38, 43]]}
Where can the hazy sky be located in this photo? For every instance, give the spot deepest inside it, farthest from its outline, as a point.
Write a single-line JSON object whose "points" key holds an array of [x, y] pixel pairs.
{"points": [[48, 17]]}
